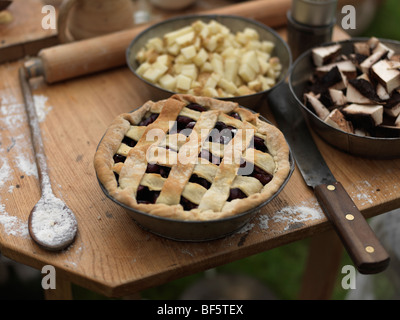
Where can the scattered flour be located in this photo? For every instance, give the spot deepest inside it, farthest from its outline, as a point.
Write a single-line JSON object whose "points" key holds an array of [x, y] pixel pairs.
{"points": [[5, 170], [185, 251], [13, 225], [26, 165], [306, 211], [365, 193], [298, 214], [42, 109], [247, 227], [13, 115], [263, 222], [364, 197]]}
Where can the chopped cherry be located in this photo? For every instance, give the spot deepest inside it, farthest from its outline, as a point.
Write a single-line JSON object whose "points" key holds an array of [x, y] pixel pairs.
{"points": [[118, 158], [116, 175], [233, 130], [236, 193], [201, 181], [220, 126], [235, 115], [188, 129], [129, 142], [205, 154], [145, 195], [225, 136], [255, 172], [183, 122], [228, 134], [259, 144], [263, 177], [155, 168], [164, 171], [258, 170], [191, 125], [196, 107], [153, 117], [222, 133], [214, 136], [187, 205]]}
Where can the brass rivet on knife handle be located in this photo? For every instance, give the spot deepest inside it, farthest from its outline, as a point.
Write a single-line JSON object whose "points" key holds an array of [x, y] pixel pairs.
{"points": [[369, 249], [365, 250]]}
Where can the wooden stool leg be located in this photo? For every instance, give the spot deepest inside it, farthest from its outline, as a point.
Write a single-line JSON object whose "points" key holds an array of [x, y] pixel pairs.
{"points": [[63, 290], [325, 253]]}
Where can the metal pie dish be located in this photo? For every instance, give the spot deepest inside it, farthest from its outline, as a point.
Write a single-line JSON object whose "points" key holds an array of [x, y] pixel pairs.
{"points": [[197, 231], [235, 24], [363, 146]]}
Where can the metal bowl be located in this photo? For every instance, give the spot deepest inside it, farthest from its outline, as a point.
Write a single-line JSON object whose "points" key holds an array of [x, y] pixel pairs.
{"points": [[196, 231], [369, 147], [235, 24]]}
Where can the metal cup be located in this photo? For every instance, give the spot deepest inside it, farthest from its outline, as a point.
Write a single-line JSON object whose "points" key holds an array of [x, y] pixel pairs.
{"points": [[314, 12], [310, 23]]}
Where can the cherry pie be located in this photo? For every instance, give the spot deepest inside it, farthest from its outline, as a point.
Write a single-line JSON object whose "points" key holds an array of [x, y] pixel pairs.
{"points": [[192, 158]]}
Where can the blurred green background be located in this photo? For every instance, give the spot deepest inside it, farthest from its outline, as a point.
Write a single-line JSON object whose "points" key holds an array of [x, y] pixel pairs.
{"points": [[386, 21], [280, 270]]}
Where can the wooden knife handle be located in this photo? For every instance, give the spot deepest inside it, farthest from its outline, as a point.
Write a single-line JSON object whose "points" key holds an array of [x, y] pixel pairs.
{"points": [[360, 241]]}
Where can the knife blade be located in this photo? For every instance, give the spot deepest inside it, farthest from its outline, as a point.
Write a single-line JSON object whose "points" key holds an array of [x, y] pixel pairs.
{"points": [[361, 243]]}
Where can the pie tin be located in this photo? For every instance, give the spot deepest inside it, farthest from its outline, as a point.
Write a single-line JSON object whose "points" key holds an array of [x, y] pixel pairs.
{"points": [[367, 147], [235, 24], [197, 231]]}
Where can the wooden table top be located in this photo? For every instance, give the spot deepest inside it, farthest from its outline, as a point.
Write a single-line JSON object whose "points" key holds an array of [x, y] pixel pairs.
{"points": [[111, 254]]}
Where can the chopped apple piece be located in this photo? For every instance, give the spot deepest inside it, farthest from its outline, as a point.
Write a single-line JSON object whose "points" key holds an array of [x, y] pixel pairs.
{"points": [[189, 52], [183, 82], [168, 82]]}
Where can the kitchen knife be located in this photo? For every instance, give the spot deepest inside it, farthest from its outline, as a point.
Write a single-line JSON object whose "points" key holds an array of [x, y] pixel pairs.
{"points": [[361, 243]]}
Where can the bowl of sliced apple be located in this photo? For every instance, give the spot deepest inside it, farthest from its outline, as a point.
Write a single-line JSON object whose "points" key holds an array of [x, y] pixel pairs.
{"points": [[220, 56]]}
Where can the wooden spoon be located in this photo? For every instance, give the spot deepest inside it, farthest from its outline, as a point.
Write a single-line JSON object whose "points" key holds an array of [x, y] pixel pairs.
{"points": [[51, 224]]}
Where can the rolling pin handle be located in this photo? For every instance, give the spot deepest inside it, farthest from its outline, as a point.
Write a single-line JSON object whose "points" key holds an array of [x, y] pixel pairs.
{"points": [[34, 68]]}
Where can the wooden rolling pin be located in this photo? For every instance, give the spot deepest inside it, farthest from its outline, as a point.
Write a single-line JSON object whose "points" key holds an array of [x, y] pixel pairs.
{"points": [[67, 61]]}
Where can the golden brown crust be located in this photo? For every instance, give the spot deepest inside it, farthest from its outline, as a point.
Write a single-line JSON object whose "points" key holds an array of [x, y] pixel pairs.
{"points": [[168, 203]]}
